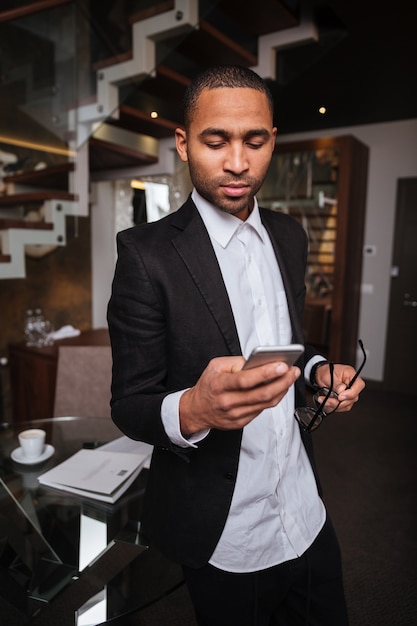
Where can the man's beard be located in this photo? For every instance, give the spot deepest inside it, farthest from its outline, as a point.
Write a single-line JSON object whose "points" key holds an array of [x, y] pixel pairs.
{"points": [[211, 191]]}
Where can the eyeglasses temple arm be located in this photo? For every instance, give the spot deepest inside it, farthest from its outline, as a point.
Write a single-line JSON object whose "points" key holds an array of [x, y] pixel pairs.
{"points": [[349, 385]]}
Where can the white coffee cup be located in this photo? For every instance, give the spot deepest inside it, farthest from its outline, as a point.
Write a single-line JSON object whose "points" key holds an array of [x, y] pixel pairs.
{"points": [[32, 443]]}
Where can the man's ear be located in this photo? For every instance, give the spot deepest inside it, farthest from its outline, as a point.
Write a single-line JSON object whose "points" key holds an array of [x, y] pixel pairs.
{"points": [[181, 144]]}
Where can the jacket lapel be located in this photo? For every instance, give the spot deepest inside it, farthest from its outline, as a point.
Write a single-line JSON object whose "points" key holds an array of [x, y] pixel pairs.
{"points": [[193, 244]]}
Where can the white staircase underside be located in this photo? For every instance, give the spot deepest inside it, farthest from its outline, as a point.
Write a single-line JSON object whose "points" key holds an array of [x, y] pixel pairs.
{"points": [[14, 240]]}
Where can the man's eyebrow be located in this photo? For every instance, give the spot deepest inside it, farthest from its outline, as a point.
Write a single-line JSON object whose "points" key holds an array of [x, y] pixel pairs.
{"points": [[257, 132], [207, 132], [254, 132]]}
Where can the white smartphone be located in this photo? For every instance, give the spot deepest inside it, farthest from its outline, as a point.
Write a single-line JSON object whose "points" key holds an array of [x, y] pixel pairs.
{"points": [[267, 354]]}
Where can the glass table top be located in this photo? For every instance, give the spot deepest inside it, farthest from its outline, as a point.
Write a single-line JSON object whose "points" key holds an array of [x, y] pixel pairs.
{"points": [[80, 559]]}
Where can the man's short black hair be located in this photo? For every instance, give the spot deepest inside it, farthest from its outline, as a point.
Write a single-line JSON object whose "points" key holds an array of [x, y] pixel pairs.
{"points": [[219, 76]]}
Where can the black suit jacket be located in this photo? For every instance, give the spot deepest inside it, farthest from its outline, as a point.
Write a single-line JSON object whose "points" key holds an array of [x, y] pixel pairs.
{"points": [[168, 315]]}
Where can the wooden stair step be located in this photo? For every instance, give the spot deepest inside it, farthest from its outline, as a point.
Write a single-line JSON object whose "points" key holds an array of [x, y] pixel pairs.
{"points": [[107, 155], [101, 64], [25, 224], [35, 197], [30, 8], [208, 45], [135, 120], [54, 177]]}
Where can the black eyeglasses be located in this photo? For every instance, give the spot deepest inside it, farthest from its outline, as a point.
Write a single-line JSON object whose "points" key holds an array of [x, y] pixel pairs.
{"points": [[309, 418]]}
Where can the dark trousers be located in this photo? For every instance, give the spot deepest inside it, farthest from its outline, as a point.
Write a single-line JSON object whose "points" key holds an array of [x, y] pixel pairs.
{"points": [[304, 591]]}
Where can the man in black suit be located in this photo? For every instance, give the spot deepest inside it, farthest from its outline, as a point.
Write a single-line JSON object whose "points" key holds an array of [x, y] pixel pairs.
{"points": [[232, 492]]}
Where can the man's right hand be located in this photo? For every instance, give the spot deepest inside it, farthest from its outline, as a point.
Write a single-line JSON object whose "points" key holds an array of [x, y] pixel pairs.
{"points": [[227, 397]]}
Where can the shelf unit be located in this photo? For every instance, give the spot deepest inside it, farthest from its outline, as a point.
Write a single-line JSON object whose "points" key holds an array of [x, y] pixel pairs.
{"points": [[332, 210]]}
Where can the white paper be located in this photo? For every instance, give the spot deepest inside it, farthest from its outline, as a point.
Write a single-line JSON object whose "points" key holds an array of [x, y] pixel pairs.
{"points": [[125, 444], [98, 474]]}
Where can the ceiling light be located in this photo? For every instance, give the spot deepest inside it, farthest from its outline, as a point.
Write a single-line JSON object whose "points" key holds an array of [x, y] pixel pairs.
{"points": [[322, 110], [137, 184], [154, 115]]}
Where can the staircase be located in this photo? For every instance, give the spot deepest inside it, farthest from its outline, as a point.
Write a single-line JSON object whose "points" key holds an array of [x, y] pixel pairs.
{"points": [[135, 105]]}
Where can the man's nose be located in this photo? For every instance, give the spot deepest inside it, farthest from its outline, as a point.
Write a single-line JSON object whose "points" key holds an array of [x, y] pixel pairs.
{"points": [[236, 160]]}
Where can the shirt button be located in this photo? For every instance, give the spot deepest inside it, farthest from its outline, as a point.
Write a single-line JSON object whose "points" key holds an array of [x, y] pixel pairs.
{"points": [[229, 476]]}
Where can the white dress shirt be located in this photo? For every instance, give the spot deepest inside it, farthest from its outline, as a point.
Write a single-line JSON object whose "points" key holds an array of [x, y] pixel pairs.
{"points": [[276, 512]]}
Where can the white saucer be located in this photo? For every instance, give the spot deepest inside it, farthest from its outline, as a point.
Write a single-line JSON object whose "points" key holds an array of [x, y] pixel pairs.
{"points": [[18, 456]]}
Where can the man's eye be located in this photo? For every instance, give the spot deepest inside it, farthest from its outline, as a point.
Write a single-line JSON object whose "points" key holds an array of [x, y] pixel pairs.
{"points": [[215, 145], [255, 145]]}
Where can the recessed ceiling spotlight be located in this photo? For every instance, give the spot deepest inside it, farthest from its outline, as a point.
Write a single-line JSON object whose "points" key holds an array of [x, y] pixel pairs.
{"points": [[322, 110], [154, 115]]}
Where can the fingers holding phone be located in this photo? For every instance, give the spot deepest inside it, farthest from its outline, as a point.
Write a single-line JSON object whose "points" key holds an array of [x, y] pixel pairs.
{"points": [[228, 396]]}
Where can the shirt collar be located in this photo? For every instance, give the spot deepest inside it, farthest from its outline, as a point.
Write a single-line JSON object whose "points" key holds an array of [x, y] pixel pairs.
{"points": [[223, 226]]}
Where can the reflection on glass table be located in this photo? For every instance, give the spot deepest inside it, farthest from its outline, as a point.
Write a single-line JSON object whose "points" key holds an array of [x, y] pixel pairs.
{"points": [[66, 559]]}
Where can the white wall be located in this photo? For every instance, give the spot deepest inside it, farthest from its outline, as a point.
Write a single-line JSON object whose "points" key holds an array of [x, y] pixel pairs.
{"points": [[392, 155], [103, 249]]}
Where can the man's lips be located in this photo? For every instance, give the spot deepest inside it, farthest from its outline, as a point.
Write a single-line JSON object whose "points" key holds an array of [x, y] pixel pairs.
{"points": [[235, 190]]}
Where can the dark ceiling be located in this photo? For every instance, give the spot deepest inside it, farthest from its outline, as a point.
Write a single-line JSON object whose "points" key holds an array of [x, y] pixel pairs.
{"points": [[363, 69]]}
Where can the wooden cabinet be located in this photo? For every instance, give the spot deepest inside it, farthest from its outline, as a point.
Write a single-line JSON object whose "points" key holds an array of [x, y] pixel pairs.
{"points": [[322, 184], [33, 374]]}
